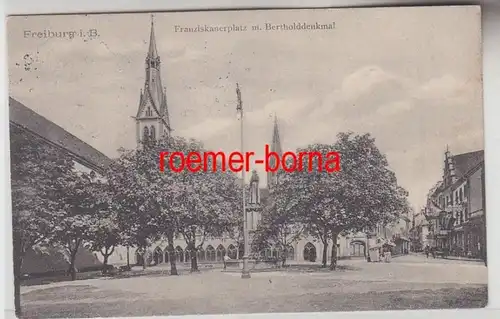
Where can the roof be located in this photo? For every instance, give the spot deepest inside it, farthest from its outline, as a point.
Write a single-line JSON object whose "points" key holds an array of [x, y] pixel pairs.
{"points": [[467, 161], [27, 119]]}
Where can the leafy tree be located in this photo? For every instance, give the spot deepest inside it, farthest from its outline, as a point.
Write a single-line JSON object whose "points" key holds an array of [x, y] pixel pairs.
{"points": [[131, 191], [35, 166], [205, 202], [363, 193], [104, 234], [83, 201]]}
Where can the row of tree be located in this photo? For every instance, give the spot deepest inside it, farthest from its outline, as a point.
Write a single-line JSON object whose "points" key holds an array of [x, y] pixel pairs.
{"points": [[132, 203], [324, 205]]}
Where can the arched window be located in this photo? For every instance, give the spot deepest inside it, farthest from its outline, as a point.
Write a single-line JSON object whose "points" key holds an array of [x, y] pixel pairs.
{"points": [[221, 252], [210, 253], [241, 251], [201, 254], [139, 257], [145, 134], [232, 252], [309, 252], [275, 253], [153, 133], [149, 112], [158, 256], [290, 253], [179, 254], [358, 249]]}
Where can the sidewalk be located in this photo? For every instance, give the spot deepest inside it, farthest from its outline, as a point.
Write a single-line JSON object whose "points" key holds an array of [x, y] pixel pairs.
{"points": [[452, 257]]}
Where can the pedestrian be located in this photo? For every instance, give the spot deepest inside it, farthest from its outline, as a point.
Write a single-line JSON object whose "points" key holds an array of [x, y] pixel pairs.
{"points": [[386, 254], [389, 253], [225, 260], [426, 249]]}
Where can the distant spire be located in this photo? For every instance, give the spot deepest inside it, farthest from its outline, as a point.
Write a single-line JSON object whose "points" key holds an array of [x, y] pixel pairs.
{"points": [[275, 147], [152, 53]]}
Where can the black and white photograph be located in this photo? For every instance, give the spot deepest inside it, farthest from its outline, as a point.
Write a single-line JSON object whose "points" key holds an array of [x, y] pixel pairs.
{"points": [[247, 161]]}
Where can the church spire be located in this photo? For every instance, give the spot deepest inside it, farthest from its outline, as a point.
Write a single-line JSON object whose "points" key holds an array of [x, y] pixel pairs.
{"points": [[275, 147], [152, 52], [152, 120], [276, 144]]}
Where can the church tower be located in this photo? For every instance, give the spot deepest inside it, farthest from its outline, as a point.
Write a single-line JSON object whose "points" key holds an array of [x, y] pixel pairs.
{"points": [[152, 120], [272, 177]]}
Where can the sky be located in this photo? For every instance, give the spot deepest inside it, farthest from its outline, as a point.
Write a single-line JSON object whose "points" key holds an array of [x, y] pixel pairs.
{"points": [[411, 77]]}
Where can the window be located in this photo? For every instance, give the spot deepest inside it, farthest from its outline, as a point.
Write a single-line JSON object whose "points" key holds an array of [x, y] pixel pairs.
{"points": [[461, 194], [153, 133], [232, 252], [201, 254], [145, 134], [149, 112], [210, 253], [221, 252], [179, 254]]}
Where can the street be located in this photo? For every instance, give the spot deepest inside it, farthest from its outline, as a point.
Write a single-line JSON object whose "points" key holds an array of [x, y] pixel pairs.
{"points": [[408, 282]]}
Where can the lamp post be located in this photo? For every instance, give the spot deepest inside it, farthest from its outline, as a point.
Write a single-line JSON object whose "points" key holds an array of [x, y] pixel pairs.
{"points": [[245, 273]]}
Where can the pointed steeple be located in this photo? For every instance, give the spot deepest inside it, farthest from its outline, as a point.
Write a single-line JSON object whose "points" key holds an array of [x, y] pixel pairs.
{"points": [[152, 114], [272, 177], [152, 52], [276, 144]]}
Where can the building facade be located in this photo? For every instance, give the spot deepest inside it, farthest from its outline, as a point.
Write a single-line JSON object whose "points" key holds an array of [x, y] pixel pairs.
{"points": [[456, 207], [419, 232], [39, 130]]}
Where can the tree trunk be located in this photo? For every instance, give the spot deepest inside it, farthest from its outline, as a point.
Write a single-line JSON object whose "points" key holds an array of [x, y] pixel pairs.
{"points": [[105, 254], [128, 257], [105, 264], [72, 269], [144, 259], [72, 254], [325, 254], [333, 262], [18, 261], [171, 251], [194, 260]]}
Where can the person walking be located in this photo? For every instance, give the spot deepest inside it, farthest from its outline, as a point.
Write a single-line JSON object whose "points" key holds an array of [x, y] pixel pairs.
{"points": [[426, 249], [225, 260]]}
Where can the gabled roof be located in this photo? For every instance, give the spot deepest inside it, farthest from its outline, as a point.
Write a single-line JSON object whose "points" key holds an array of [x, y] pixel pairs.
{"points": [[27, 119], [467, 161]]}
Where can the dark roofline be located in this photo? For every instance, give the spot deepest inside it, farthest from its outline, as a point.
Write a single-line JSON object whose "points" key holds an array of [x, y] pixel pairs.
{"points": [[32, 122], [468, 174]]}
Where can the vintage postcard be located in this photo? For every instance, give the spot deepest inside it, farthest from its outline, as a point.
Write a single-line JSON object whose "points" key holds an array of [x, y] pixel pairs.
{"points": [[225, 162]]}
